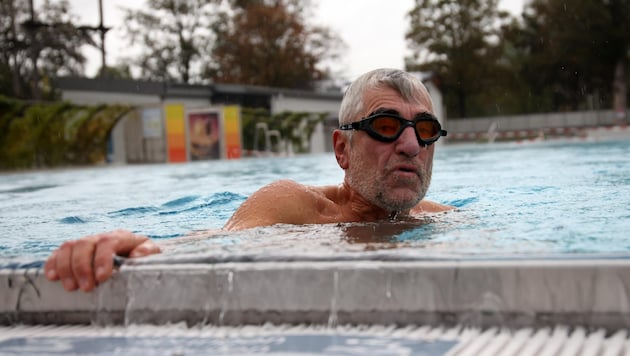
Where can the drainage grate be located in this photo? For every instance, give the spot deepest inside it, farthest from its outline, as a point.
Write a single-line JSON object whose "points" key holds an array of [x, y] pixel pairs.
{"points": [[559, 340], [356, 340]]}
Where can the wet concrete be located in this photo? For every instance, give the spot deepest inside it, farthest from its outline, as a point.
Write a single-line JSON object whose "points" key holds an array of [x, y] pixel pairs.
{"points": [[378, 288]]}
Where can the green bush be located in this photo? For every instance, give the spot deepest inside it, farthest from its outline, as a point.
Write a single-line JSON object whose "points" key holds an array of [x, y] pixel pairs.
{"points": [[294, 127], [54, 134]]}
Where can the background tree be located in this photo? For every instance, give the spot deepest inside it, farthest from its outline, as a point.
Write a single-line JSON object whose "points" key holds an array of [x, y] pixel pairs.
{"points": [[269, 43], [456, 40], [121, 71], [37, 45], [571, 51], [174, 37]]}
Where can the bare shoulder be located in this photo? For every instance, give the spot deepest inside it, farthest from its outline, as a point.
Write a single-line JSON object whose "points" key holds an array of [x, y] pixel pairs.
{"points": [[283, 201], [284, 191], [282, 185], [427, 206]]}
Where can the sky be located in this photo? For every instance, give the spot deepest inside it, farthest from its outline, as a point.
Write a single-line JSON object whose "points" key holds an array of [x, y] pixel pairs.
{"points": [[373, 30]]}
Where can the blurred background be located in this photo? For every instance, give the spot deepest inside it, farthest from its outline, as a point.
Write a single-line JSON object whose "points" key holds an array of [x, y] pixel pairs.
{"points": [[497, 70]]}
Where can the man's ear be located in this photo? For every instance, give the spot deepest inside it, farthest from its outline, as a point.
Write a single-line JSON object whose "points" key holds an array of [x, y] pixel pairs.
{"points": [[341, 146]]}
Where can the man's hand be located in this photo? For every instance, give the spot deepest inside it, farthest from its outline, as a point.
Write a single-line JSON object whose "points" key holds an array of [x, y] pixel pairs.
{"points": [[86, 262]]}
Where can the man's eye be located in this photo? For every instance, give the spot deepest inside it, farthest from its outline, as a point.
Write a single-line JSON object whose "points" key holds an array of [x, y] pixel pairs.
{"points": [[386, 126]]}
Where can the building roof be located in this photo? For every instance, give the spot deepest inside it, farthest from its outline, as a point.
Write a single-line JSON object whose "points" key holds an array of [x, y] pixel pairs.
{"points": [[184, 90]]}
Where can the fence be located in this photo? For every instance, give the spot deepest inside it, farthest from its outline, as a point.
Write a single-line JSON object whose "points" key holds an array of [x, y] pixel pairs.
{"points": [[524, 126]]}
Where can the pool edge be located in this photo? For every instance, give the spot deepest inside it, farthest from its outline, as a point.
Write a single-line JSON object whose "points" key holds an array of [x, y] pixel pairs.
{"points": [[476, 293]]}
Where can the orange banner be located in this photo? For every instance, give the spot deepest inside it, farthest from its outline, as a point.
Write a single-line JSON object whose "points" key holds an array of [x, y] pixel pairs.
{"points": [[175, 132], [232, 131]]}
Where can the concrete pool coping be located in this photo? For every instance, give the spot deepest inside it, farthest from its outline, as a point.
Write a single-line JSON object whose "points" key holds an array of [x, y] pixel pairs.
{"points": [[477, 292]]}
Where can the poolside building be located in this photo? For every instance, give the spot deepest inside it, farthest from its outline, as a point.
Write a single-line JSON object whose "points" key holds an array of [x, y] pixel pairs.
{"points": [[161, 128]]}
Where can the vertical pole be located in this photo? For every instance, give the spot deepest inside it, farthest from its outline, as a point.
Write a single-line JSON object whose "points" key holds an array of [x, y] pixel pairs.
{"points": [[102, 30], [32, 11], [33, 49]]}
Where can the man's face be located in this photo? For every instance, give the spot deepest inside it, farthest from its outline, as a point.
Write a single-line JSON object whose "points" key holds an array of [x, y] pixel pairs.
{"points": [[394, 176]]}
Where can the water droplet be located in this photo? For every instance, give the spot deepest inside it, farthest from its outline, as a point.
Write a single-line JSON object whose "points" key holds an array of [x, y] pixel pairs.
{"points": [[226, 297], [332, 318]]}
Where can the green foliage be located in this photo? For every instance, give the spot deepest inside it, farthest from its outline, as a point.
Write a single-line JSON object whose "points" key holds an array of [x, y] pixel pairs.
{"points": [[557, 56], [458, 42], [9, 110], [174, 38], [52, 135], [570, 50], [249, 118], [50, 39], [122, 71], [294, 127], [270, 43]]}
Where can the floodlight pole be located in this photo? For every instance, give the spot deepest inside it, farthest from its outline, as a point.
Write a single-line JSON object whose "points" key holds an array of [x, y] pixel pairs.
{"points": [[102, 31]]}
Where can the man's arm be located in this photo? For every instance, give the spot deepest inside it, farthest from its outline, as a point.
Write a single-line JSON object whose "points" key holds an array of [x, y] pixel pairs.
{"points": [[283, 201], [83, 263]]}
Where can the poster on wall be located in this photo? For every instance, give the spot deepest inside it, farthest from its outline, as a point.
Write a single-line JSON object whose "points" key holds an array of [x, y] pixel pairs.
{"points": [[152, 122], [204, 135]]}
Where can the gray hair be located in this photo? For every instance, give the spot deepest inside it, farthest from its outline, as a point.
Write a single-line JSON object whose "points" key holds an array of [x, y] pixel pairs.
{"points": [[408, 85]]}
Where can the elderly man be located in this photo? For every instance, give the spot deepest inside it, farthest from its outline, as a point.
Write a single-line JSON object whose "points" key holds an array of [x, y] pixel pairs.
{"points": [[384, 145]]}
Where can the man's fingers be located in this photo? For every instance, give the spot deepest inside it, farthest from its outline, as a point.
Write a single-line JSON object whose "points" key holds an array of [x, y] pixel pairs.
{"points": [[64, 266], [104, 259], [146, 248], [82, 270], [120, 243], [127, 241], [50, 268], [88, 261]]}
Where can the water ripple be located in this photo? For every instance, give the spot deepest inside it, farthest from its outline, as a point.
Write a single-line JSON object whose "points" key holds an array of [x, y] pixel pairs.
{"points": [[460, 203], [181, 201], [29, 189], [141, 210], [73, 220], [216, 200]]}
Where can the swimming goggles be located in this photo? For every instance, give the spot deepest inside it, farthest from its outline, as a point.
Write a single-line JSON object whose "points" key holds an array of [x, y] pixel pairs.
{"points": [[387, 126]]}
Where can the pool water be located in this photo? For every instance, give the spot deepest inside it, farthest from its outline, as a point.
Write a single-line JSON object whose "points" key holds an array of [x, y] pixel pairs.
{"points": [[553, 197]]}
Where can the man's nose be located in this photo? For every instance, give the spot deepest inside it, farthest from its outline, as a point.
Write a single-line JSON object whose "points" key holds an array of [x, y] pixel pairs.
{"points": [[407, 143]]}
